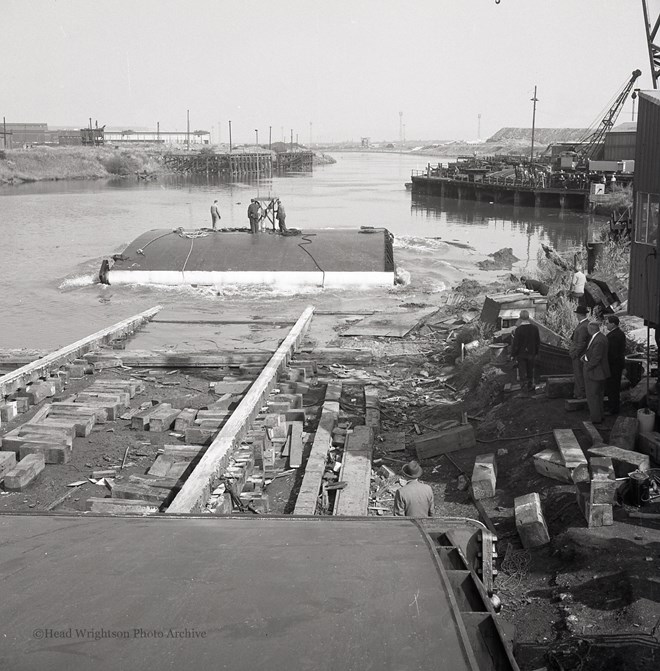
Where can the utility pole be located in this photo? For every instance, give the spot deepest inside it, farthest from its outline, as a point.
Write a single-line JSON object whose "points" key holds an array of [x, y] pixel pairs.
{"points": [[292, 139], [270, 137], [230, 136], [534, 100], [158, 131], [256, 136], [404, 132], [188, 129], [310, 134]]}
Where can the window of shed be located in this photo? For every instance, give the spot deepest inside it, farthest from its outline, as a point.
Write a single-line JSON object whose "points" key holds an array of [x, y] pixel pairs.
{"points": [[641, 218], [654, 216]]}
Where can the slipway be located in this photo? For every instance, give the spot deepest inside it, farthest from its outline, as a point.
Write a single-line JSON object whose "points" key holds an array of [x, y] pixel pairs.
{"points": [[193, 592], [329, 258]]}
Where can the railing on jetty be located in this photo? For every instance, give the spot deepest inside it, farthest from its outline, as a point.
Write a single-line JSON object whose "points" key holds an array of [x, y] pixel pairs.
{"points": [[528, 190], [237, 164]]}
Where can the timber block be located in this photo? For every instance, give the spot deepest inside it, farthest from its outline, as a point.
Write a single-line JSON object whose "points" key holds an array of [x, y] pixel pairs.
{"points": [[210, 423], [294, 416], [53, 429], [361, 439], [251, 371], [484, 476], [211, 415], [649, 443], [572, 454], [24, 473], [279, 407], [76, 371], [120, 506], [603, 491], [624, 461], [140, 421], [623, 433], [69, 408], [276, 423], [296, 449], [295, 401], [7, 462], [122, 394], [601, 468], [333, 391], [184, 452], [549, 463], [63, 374], [39, 391], [593, 434], [58, 384], [233, 387], [163, 418], [130, 490], [133, 386], [52, 454], [8, 411], [391, 441], [596, 514], [338, 437], [111, 362], [530, 522], [575, 404], [310, 366], [13, 442], [81, 424], [112, 404], [199, 436], [372, 418], [223, 402], [185, 419], [297, 374], [371, 399], [22, 403], [440, 442], [560, 387]]}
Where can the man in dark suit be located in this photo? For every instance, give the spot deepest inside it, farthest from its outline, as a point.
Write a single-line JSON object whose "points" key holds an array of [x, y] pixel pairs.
{"points": [[596, 371], [525, 347], [577, 348], [616, 357]]}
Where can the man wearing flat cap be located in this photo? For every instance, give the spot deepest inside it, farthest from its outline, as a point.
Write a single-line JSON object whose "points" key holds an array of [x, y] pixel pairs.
{"points": [[577, 347], [414, 499]]}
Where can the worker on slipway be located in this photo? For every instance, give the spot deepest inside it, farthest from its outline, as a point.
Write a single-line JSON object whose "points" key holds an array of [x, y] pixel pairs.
{"points": [[281, 216], [578, 282], [596, 371], [254, 215], [215, 215], [414, 499]]}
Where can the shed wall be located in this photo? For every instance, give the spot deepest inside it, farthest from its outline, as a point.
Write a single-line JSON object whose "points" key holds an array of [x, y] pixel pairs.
{"points": [[644, 267]]}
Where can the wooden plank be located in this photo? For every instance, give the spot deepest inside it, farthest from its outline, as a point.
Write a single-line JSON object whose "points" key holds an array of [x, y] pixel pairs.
{"points": [[356, 472], [163, 418], [24, 473], [569, 448], [296, 445], [140, 421], [195, 492], [121, 506], [206, 359], [19, 378], [311, 484], [389, 324]]}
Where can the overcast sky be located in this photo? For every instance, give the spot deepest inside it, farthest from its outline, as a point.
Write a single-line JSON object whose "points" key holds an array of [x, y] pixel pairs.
{"points": [[347, 66]]}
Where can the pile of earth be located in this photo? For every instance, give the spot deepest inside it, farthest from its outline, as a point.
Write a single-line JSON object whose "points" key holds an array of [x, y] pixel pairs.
{"points": [[502, 259]]}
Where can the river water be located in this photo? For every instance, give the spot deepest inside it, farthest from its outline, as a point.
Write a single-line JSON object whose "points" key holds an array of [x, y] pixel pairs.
{"points": [[55, 234]]}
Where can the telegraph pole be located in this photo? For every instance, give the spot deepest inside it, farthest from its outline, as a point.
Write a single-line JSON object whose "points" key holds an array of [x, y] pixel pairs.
{"points": [[256, 136], [230, 136], [292, 139], [534, 100], [270, 137]]}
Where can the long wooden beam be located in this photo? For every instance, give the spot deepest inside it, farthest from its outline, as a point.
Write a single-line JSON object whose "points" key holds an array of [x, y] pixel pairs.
{"points": [[20, 377], [196, 490], [205, 359]]}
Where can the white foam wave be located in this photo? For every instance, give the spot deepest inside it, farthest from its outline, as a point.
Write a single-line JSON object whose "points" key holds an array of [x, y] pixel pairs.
{"points": [[79, 281], [418, 243]]}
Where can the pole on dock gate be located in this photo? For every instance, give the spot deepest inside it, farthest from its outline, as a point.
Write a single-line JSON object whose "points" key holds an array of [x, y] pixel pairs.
{"points": [[230, 136], [534, 100]]}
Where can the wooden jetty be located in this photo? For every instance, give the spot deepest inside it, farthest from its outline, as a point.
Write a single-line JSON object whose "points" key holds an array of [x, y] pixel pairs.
{"points": [[500, 190], [235, 164]]}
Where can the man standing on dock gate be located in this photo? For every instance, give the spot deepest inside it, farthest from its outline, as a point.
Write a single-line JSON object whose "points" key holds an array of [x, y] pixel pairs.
{"points": [[596, 371], [577, 347], [215, 215], [254, 215], [525, 347], [413, 499], [281, 216]]}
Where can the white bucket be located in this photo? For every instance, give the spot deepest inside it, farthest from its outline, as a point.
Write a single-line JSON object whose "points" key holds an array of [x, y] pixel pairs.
{"points": [[645, 420]]}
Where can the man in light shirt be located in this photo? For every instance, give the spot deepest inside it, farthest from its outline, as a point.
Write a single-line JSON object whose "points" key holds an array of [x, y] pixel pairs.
{"points": [[577, 285]]}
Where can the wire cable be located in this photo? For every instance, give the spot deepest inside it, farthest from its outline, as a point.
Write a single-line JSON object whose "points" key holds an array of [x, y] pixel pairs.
{"points": [[306, 237]]}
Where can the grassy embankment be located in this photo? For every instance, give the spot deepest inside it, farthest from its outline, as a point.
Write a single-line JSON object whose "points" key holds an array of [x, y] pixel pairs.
{"points": [[52, 163]]}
